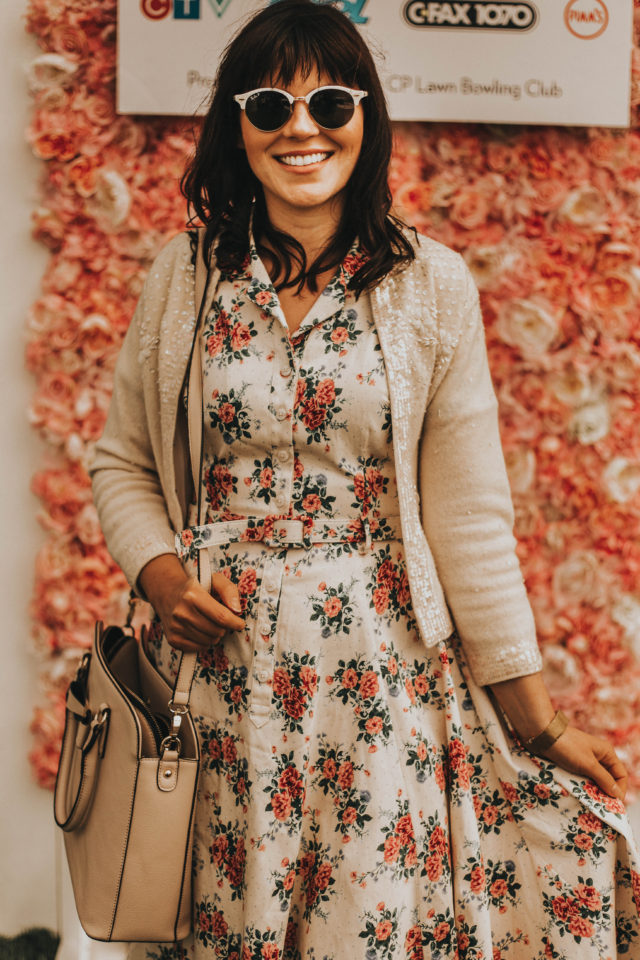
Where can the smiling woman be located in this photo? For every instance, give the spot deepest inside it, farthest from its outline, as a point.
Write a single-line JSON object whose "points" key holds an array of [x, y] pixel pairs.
{"points": [[297, 58], [383, 774]]}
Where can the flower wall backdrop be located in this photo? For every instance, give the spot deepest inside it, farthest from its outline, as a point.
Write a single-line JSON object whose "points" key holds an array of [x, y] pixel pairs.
{"points": [[548, 220]]}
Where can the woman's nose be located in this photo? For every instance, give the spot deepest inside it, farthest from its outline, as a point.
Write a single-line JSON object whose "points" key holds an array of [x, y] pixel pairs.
{"points": [[300, 123]]}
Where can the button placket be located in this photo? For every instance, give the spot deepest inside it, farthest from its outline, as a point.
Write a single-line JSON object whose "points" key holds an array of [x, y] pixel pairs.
{"points": [[260, 694]]}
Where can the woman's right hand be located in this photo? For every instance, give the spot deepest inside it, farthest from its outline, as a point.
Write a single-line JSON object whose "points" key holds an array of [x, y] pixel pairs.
{"points": [[192, 619]]}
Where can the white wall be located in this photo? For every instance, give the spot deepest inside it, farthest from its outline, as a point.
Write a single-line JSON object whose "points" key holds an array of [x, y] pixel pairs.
{"points": [[28, 842], [27, 878]]}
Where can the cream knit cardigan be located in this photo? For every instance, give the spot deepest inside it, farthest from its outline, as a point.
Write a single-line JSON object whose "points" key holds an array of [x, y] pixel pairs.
{"points": [[455, 504]]}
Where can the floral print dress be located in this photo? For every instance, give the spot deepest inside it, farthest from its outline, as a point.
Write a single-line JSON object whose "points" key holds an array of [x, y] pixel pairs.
{"points": [[361, 798]]}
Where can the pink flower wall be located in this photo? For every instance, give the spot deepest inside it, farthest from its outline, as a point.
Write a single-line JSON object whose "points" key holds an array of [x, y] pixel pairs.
{"points": [[548, 220]]}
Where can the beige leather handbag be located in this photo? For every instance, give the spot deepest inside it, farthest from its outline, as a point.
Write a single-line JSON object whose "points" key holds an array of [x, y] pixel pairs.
{"points": [[126, 785]]}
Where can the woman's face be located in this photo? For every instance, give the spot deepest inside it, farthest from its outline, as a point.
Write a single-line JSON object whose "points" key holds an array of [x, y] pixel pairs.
{"points": [[318, 186]]}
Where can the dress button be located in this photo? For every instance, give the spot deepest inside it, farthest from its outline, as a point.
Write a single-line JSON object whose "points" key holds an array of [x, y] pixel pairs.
{"points": [[286, 372], [263, 675], [281, 413], [283, 454], [281, 500]]}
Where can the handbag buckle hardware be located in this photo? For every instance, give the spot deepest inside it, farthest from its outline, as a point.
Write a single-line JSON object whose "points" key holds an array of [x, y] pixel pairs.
{"points": [[98, 729], [171, 742]]}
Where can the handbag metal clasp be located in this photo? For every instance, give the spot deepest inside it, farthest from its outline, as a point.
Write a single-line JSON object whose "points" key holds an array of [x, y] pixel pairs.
{"points": [[98, 729]]}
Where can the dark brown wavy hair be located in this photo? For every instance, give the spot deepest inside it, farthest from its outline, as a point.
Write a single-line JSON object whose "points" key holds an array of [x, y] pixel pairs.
{"points": [[220, 187]]}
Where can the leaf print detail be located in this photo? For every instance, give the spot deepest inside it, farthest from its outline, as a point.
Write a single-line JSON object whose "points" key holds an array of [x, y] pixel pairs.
{"points": [[210, 926], [586, 836], [389, 588], [310, 494], [174, 952], [369, 484], [295, 683], [230, 681], [220, 484], [227, 853], [258, 945], [286, 791], [342, 331], [533, 791], [261, 481], [333, 609], [335, 775], [436, 852], [579, 911], [228, 415], [317, 404], [418, 679], [355, 682], [226, 337], [399, 851], [381, 932], [315, 867], [220, 754]]}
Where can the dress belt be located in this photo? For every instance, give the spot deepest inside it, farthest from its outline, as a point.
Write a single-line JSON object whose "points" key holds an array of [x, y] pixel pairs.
{"points": [[274, 530]]}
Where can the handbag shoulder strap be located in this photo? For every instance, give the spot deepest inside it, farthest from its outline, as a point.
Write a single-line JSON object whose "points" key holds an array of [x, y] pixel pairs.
{"points": [[187, 667]]}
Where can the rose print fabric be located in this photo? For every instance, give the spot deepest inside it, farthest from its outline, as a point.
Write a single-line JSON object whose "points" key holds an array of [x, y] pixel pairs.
{"points": [[360, 796]]}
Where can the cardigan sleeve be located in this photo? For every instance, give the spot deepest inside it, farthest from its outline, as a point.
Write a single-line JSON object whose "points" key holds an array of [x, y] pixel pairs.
{"points": [[126, 487], [467, 512]]}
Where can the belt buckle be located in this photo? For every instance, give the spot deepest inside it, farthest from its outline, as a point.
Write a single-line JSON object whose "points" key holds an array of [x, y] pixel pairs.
{"points": [[280, 535]]}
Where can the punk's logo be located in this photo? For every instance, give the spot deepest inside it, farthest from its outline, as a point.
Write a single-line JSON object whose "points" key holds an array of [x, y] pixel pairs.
{"points": [[474, 14], [351, 8]]}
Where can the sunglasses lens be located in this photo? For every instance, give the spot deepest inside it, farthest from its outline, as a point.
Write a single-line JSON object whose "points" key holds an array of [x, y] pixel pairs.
{"points": [[331, 108], [268, 110]]}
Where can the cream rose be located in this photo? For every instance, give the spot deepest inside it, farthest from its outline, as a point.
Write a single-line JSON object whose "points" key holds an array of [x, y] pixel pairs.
{"points": [[577, 578], [527, 325], [49, 70], [585, 207], [112, 200], [560, 670], [486, 264], [572, 386], [590, 422], [621, 479]]}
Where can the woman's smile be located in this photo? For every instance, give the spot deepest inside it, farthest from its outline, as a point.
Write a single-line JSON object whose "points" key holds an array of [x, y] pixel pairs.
{"points": [[301, 159]]}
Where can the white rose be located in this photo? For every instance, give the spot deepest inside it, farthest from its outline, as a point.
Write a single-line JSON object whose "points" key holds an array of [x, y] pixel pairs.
{"points": [[585, 207], [112, 200], [590, 422], [572, 386], [560, 670], [577, 579], [528, 326], [49, 70], [521, 466], [621, 479], [626, 613], [486, 265]]}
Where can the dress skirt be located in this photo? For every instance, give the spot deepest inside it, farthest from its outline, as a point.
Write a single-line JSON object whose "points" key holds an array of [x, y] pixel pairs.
{"points": [[379, 808]]}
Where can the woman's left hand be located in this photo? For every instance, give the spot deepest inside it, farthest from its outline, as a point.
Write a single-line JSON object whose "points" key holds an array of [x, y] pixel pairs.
{"points": [[588, 756]]}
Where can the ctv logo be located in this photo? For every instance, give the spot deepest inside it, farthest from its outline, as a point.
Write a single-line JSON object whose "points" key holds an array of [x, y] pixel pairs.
{"points": [[182, 9], [190, 9], [476, 14]]}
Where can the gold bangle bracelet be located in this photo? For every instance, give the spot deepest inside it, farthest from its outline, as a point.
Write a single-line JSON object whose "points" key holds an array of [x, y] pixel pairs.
{"points": [[547, 737]]}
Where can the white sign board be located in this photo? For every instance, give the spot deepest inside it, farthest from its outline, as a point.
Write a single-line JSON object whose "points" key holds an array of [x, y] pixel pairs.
{"points": [[518, 61]]}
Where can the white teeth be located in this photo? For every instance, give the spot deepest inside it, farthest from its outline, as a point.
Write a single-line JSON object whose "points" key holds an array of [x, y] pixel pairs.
{"points": [[298, 160]]}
